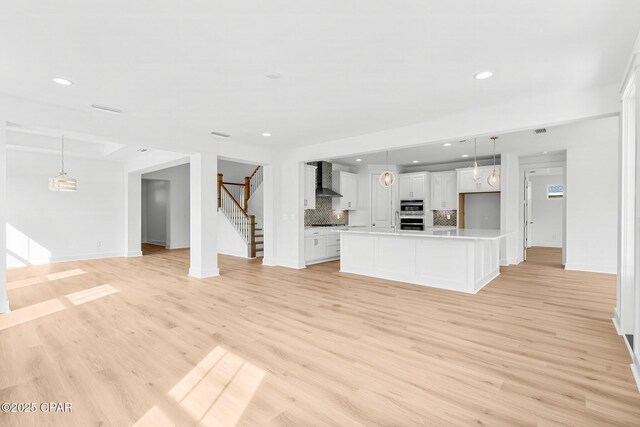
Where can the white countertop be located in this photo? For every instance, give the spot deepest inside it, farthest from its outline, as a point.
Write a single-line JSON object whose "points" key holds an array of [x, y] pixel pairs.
{"points": [[462, 233]]}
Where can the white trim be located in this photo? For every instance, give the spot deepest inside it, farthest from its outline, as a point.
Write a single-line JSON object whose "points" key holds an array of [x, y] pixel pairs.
{"points": [[545, 245], [270, 262], [155, 242], [320, 261], [132, 254], [239, 254], [488, 280], [616, 322], [636, 375], [179, 246], [67, 258], [291, 263], [4, 307], [197, 273], [607, 269]]}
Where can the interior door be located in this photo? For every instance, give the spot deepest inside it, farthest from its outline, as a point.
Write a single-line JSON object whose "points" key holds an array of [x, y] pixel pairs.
{"points": [[527, 217], [380, 204]]}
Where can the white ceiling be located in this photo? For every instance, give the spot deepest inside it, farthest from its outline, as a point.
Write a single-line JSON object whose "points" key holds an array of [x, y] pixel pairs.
{"points": [[348, 67]]}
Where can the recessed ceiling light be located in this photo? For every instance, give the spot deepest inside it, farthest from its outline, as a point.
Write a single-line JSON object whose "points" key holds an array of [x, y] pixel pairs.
{"points": [[63, 82], [274, 76], [106, 109], [266, 134], [358, 160], [483, 75], [465, 155], [448, 144], [545, 152], [415, 161]]}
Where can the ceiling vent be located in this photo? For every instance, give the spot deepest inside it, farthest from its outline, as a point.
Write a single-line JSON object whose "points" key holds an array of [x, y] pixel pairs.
{"points": [[220, 134], [539, 131], [106, 109]]}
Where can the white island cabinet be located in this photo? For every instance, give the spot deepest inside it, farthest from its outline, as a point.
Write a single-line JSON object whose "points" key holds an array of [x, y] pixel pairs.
{"points": [[461, 260]]}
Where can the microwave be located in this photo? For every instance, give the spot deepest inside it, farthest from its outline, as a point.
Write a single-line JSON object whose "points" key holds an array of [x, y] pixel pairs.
{"points": [[415, 223], [411, 207]]}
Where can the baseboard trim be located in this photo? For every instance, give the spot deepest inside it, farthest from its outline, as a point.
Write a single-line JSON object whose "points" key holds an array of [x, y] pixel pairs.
{"points": [[295, 264], [239, 254], [132, 254], [636, 375], [270, 262], [591, 268], [68, 258], [547, 245], [4, 307], [179, 246], [199, 273], [156, 242], [488, 280]]}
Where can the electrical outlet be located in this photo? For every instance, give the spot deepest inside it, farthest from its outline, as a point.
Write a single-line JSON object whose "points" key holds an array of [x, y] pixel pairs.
{"points": [[98, 243]]}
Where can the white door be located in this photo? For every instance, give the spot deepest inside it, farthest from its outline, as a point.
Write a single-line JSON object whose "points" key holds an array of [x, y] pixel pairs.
{"points": [[380, 204], [351, 185], [450, 191], [528, 217], [437, 191]]}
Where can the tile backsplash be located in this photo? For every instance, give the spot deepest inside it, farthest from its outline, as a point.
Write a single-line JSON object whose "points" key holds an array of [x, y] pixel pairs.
{"points": [[324, 213], [440, 218]]}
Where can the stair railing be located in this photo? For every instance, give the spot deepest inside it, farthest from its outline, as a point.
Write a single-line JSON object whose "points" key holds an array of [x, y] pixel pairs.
{"points": [[251, 184], [244, 223]]}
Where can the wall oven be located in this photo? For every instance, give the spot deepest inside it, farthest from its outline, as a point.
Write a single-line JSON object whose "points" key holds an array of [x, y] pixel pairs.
{"points": [[411, 207], [415, 223]]}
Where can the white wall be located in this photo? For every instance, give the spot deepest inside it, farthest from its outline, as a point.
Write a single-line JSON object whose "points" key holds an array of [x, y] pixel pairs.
{"points": [[45, 226], [592, 202], [155, 211], [482, 211], [229, 241], [546, 214], [235, 171], [178, 178]]}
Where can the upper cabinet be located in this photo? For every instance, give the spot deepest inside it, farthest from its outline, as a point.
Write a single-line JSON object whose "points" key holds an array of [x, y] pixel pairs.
{"points": [[444, 192], [414, 186], [466, 183], [345, 183], [309, 187]]}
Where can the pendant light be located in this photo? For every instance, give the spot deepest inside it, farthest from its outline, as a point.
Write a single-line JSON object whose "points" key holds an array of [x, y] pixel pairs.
{"points": [[387, 178], [62, 182], [494, 179], [476, 172]]}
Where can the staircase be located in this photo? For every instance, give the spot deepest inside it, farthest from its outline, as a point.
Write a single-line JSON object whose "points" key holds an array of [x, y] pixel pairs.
{"points": [[233, 202]]}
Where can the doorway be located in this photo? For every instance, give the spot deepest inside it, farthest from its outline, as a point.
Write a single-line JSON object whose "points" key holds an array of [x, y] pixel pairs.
{"points": [[156, 215], [544, 211]]}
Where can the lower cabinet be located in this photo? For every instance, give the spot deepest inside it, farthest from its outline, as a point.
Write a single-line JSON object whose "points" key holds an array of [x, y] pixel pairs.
{"points": [[321, 246]]}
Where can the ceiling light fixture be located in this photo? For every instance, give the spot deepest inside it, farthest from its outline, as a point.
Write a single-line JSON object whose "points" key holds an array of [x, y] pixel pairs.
{"points": [[106, 109], [465, 155], [266, 134], [387, 178], [63, 82], [415, 161], [358, 160], [483, 75], [447, 144], [62, 182], [274, 76], [494, 179]]}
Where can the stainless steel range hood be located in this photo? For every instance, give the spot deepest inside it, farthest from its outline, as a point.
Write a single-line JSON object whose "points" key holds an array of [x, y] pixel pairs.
{"points": [[323, 180]]}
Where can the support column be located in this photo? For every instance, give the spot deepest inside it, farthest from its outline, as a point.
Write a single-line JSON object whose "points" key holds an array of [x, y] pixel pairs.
{"points": [[510, 249], [289, 213], [4, 298], [268, 215], [204, 215], [133, 214]]}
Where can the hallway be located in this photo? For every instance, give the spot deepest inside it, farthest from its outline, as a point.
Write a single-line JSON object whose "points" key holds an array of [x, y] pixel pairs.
{"points": [[311, 346]]}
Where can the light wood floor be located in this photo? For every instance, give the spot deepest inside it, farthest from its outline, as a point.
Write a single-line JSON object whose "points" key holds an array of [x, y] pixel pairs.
{"points": [[266, 346]]}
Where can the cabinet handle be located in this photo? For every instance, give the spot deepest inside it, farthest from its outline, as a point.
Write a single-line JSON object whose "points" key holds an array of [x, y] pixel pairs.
{"points": [[315, 242], [349, 204], [305, 203]]}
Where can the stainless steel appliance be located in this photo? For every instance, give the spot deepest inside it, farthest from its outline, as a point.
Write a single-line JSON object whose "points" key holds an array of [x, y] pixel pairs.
{"points": [[412, 222], [411, 207]]}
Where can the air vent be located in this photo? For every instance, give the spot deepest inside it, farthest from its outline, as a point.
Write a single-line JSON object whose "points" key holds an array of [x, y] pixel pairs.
{"points": [[541, 130], [220, 134], [106, 109]]}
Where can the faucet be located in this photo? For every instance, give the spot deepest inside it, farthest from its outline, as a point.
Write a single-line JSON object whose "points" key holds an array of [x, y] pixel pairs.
{"points": [[396, 220]]}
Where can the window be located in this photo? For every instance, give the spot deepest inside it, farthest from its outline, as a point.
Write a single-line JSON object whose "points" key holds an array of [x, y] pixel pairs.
{"points": [[555, 191]]}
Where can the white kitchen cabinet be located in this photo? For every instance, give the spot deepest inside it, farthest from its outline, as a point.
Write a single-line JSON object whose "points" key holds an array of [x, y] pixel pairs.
{"points": [[413, 186], [444, 191], [315, 248], [321, 245], [345, 183], [309, 187], [466, 183]]}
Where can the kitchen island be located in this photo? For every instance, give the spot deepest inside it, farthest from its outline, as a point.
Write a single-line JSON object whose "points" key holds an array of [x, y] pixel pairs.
{"points": [[461, 260]]}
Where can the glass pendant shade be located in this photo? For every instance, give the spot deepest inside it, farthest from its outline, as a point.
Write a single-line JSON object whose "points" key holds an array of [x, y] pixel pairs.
{"points": [[387, 178], [493, 179], [476, 172], [62, 182]]}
